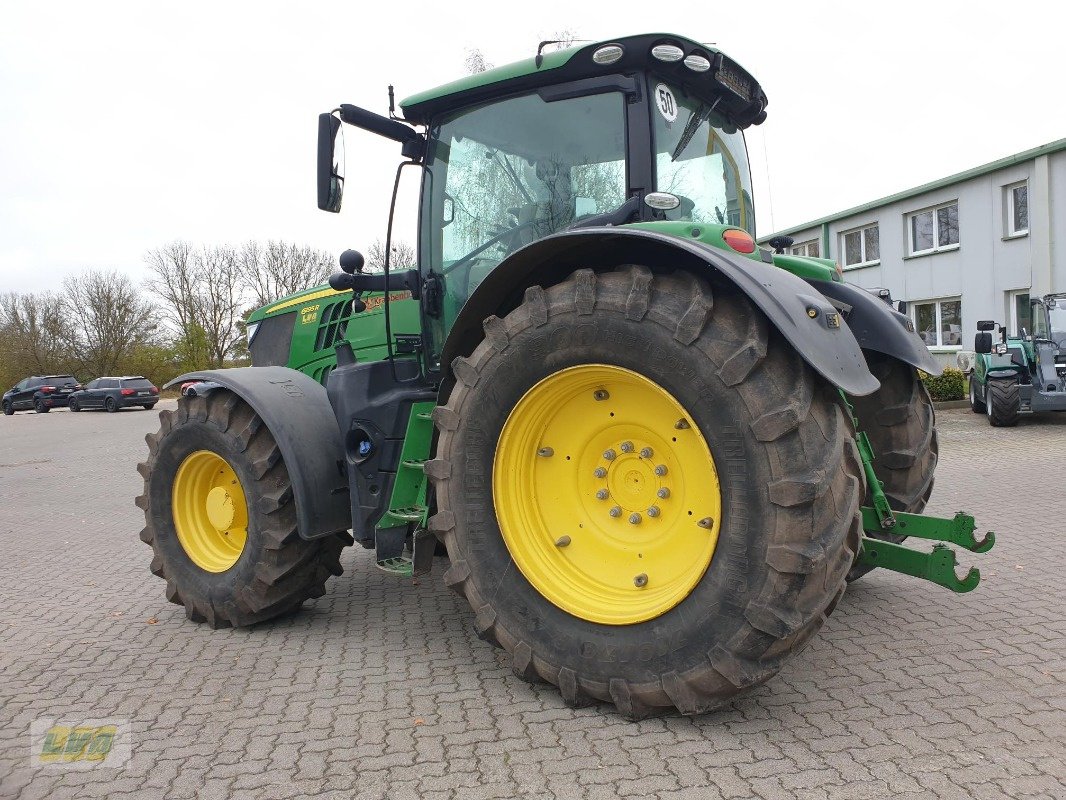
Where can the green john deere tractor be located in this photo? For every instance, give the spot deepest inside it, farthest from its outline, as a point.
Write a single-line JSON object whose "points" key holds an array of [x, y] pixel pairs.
{"points": [[1023, 374], [648, 444]]}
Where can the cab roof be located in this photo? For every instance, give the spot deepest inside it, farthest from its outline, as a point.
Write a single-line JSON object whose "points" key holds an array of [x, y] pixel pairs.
{"points": [[741, 99]]}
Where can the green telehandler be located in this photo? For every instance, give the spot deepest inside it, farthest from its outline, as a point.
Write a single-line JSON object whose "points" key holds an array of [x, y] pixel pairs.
{"points": [[647, 444]]}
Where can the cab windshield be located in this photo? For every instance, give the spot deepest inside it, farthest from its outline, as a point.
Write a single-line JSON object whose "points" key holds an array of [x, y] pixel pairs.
{"points": [[702, 159]]}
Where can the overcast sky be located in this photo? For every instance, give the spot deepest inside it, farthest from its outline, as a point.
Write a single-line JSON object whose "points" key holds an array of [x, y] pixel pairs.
{"points": [[128, 125]]}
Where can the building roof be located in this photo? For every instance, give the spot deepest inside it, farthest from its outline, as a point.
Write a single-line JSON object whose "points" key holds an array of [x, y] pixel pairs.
{"points": [[959, 177]]}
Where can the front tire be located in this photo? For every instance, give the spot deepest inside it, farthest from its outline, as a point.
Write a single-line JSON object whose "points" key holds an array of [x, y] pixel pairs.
{"points": [[73, 406], [976, 406], [1003, 403], [782, 450], [8, 410], [220, 517], [900, 422]]}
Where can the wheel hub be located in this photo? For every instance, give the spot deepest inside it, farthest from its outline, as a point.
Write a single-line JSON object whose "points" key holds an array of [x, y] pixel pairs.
{"points": [[210, 511], [606, 459]]}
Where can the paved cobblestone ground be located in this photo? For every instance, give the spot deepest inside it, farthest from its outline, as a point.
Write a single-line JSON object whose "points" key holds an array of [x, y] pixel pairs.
{"points": [[380, 690]]}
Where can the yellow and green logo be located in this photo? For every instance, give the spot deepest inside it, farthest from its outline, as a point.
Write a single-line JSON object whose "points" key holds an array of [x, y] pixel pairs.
{"points": [[83, 744]]}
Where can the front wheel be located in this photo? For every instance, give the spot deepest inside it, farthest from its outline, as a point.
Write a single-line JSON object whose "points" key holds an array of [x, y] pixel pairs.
{"points": [[976, 406], [220, 517], [8, 410], [1002, 403], [647, 498], [73, 406]]}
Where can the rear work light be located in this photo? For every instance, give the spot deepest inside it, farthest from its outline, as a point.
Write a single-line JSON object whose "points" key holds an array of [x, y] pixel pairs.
{"points": [[739, 240], [128, 392]]}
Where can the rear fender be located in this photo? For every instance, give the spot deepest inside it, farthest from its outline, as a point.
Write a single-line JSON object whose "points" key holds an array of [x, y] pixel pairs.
{"points": [[787, 300], [297, 412], [877, 326]]}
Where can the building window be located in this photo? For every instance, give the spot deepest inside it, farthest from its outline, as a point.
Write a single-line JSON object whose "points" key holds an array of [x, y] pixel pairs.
{"points": [[935, 229], [861, 247], [1018, 209], [809, 249], [1020, 313], [939, 322]]}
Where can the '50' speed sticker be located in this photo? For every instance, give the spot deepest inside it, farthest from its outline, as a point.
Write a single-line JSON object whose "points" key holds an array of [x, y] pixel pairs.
{"points": [[664, 101]]}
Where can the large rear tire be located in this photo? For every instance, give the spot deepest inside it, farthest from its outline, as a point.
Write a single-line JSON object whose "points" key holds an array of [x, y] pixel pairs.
{"points": [[781, 449], [900, 422], [220, 517]]}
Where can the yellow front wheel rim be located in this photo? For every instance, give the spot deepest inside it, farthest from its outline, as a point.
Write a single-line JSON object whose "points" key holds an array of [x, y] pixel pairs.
{"points": [[210, 511], [606, 494]]}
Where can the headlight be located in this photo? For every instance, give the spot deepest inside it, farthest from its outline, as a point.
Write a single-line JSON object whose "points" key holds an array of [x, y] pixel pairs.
{"points": [[1001, 349]]}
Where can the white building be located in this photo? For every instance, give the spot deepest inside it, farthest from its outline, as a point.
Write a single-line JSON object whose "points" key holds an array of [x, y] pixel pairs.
{"points": [[971, 246]]}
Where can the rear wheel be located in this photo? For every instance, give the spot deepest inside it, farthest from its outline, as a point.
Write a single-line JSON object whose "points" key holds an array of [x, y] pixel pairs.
{"points": [[40, 407], [1002, 403], [645, 501], [111, 405], [220, 517], [900, 422], [977, 406]]}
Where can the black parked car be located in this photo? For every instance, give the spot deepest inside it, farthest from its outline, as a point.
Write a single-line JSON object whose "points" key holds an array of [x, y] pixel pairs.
{"points": [[111, 394], [42, 393]]}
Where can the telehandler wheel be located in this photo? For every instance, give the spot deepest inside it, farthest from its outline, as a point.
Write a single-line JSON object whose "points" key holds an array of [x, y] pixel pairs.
{"points": [[647, 500], [900, 423], [1002, 403], [976, 405], [221, 520]]}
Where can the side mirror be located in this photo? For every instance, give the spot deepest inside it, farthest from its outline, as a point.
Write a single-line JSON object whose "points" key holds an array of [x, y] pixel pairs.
{"points": [[901, 306], [982, 342], [330, 163], [986, 325]]}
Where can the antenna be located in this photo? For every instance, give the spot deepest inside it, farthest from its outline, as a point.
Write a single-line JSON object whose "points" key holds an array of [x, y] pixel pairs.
{"points": [[392, 106]]}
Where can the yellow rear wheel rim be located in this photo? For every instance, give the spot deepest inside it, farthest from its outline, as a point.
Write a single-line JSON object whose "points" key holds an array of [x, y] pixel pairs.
{"points": [[606, 494], [210, 511]]}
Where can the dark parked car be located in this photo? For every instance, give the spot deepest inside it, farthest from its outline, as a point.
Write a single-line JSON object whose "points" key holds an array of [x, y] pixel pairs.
{"points": [[111, 394], [42, 393]]}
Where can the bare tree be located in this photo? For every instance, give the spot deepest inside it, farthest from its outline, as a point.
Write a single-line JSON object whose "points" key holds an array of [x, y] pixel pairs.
{"points": [[476, 62], [403, 256], [277, 269], [33, 335], [107, 319], [202, 293]]}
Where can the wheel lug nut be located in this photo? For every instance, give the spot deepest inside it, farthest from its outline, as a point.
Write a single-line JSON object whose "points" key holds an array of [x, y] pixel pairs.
{"points": [[545, 452], [706, 522], [661, 470], [600, 472], [634, 518], [601, 394], [609, 454], [562, 541], [601, 494], [653, 511], [641, 580], [681, 424], [616, 511], [663, 493], [646, 452], [626, 447]]}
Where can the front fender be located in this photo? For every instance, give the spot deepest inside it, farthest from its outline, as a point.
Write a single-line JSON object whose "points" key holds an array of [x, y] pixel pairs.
{"points": [[878, 326], [831, 351], [297, 412]]}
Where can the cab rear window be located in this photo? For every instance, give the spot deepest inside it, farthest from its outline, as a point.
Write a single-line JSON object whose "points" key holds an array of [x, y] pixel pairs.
{"points": [[137, 383]]}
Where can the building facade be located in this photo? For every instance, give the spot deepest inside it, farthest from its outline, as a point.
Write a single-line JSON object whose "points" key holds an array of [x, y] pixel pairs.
{"points": [[976, 245]]}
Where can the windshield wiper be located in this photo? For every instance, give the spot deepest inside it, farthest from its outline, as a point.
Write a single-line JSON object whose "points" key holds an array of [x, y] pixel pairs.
{"points": [[699, 116], [503, 162]]}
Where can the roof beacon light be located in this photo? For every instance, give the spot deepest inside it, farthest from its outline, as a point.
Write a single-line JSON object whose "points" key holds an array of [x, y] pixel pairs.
{"points": [[668, 52], [664, 201], [697, 63], [608, 54]]}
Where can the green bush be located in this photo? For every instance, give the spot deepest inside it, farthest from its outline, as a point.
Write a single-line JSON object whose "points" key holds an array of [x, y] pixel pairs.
{"points": [[950, 385]]}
